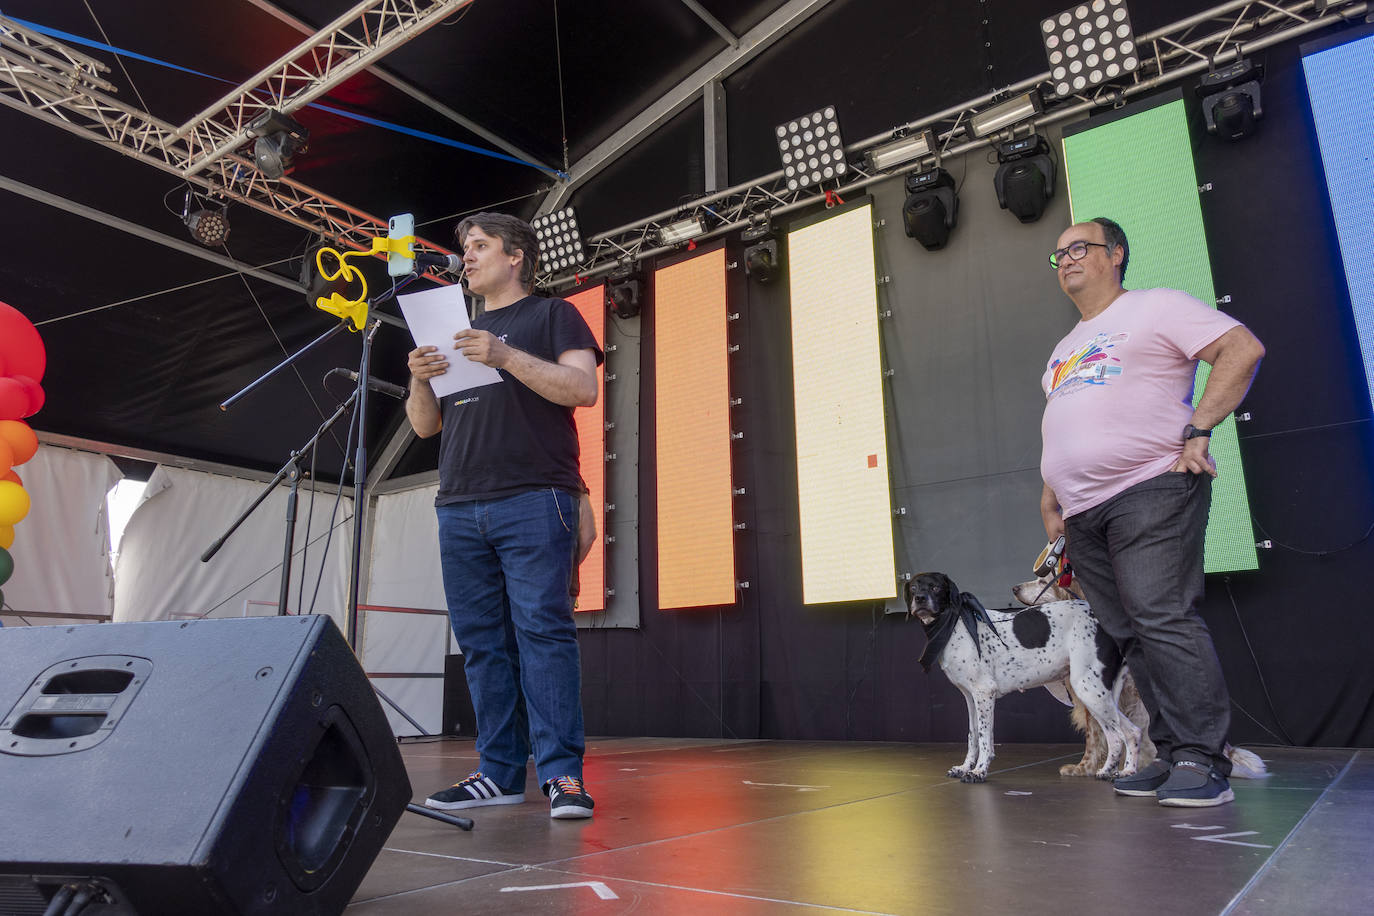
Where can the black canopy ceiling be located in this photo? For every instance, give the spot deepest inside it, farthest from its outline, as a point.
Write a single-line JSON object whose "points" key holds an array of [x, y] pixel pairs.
{"points": [[144, 341]]}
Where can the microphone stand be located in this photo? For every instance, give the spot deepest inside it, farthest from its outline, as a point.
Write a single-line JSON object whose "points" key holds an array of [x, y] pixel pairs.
{"points": [[292, 470]]}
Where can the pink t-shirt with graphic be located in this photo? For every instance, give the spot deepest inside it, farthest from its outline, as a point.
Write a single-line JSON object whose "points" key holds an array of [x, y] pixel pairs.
{"points": [[1118, 392]]}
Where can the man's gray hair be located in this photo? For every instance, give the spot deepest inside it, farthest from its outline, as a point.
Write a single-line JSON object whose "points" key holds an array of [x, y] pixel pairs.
{"points": [[1115, 237]]}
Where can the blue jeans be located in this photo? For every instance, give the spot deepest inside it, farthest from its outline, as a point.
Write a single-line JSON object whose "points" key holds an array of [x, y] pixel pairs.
{"points": [[506, 565], [1139, 558]]}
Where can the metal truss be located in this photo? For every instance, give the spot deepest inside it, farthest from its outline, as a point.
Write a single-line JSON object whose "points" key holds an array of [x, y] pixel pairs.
{"points": [[1214, 37], [349, 44], [47, 80]]}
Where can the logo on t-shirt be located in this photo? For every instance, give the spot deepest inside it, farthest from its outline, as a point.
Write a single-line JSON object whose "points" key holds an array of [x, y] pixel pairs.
{"points": [[466, 401], [1090, 364]]}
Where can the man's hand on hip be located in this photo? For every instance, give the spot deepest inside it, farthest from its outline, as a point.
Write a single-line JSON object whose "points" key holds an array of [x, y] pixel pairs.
{"points": [[1195, 458]]}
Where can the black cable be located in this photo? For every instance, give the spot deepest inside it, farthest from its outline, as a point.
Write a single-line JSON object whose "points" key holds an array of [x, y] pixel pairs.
{"points": [[1258, 673], [83, 897], [59, 901], [355, 421], [1314, 553]]}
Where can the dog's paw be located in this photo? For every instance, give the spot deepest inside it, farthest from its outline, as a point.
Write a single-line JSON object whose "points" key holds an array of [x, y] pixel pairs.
{"points": [[958, 772], [1074, 769], [974, 776]]}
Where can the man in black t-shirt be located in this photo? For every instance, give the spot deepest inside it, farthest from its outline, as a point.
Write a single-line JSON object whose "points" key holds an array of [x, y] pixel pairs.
{"points": [[509, 495]]}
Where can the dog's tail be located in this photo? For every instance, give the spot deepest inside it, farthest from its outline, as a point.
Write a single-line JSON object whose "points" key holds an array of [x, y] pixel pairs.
{"points": [[1245, 764]]}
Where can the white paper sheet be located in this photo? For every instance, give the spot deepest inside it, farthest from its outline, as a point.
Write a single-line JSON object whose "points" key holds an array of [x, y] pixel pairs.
{"points": [[434, 316]]}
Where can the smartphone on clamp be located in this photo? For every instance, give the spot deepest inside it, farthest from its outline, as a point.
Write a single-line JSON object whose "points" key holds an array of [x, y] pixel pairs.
{"points": [[398, 227]]}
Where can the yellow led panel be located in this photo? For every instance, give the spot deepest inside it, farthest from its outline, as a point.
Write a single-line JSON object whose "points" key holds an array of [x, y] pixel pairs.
{"points": [[591, 438], [696, 540], [843, 494]]}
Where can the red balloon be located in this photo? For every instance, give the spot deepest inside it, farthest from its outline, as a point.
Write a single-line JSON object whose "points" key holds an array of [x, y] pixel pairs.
{"points": [[12, 477], [20, 346], [14, 399], [35, 394]]}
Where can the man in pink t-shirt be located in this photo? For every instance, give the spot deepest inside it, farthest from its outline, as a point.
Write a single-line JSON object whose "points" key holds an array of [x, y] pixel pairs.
{"points": [[1128, 480]]}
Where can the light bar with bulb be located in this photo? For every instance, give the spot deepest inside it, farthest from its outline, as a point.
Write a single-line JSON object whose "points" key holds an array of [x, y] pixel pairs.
{"points": [[560, 241], [1091, 44], [811, 148], [683, 230], [1005, 114], [900, 151]]}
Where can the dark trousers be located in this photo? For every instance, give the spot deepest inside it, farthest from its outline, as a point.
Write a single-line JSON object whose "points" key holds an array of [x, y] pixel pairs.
{"points": [[1139, 558]]}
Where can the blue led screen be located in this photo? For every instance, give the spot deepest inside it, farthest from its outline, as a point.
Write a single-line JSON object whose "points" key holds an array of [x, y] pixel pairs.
{"points": [[1341, 90]]}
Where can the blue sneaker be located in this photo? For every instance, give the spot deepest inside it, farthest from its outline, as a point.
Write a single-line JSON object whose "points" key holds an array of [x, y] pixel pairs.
{"points": [[1144, 781], [567, 798], [1194, 785], [473, 791]]}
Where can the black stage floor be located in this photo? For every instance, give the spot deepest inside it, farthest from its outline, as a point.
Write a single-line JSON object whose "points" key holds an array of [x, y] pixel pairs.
{"points": [[704, 825]]}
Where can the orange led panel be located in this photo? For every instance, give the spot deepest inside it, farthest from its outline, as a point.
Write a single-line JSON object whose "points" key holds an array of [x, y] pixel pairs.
{"points": [[844, 497], [696, 526], [591, 438]]}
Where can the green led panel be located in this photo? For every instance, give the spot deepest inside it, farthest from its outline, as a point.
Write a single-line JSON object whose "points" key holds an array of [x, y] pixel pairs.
{"points": [[1137, 168]]}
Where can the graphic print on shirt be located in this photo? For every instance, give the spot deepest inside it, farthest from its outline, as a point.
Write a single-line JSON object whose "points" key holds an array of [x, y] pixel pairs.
{"points": [[1090, 364]]}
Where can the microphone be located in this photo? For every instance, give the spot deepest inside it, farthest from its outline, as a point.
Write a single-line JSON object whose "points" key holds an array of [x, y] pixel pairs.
{"points": [[451, 262], [376, 384]]}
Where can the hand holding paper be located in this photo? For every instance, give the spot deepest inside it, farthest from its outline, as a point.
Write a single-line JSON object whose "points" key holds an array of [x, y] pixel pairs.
{"points": [[436, 316]]}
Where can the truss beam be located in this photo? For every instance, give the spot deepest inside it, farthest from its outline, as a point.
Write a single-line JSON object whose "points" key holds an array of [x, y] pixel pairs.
{"points": [[352, 42], [1167, 55]]}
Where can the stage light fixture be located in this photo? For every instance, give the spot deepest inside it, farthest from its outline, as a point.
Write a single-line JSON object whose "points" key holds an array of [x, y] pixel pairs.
{"points": [[1231, 100], [811, 148], [1005, 114], [761, 262], [931, 209], [625, 292], [278, 138], [682, 230], [1025, 178], [904, 149], [208, 225], [560, 240], [1088, 45]]}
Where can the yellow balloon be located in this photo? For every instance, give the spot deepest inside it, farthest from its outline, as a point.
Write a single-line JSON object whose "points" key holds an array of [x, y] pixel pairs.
{"points": [[6, 536], [14, 503]]}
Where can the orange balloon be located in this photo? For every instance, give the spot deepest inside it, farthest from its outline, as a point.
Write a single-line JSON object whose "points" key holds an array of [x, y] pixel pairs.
{"points": [[22, 440], [6, 536], [14, 503], [6, 458]]}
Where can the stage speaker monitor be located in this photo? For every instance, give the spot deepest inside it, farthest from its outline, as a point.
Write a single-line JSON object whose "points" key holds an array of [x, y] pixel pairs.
{"points": [[237, 766]]}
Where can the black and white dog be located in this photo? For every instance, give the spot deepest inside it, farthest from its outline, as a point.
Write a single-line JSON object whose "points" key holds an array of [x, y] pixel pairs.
{"points": [[988, 654]]}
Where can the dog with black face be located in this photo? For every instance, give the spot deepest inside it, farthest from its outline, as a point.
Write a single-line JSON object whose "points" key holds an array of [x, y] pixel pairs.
{"points": [[988, 654]]}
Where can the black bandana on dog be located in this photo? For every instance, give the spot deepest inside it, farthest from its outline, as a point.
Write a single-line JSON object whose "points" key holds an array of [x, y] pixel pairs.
{"points": [[964, 607]]}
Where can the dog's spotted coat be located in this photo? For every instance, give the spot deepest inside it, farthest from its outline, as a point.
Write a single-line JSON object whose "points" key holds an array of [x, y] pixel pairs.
{"points": [[1045, 644]]}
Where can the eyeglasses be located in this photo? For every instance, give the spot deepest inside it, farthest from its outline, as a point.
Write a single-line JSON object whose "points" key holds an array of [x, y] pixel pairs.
{"points": [[1077, 251]]}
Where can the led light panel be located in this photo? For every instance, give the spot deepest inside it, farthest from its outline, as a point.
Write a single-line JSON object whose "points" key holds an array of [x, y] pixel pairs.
{"points": [[811, 149], [591, 438], [843, 493], [1088, 45], [1342, 98], [560, 241], [696, 525], [1137, 169]]}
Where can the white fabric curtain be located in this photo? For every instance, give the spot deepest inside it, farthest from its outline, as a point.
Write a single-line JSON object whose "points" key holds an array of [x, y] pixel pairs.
{"points": [[405, 574], [61, 549], [159, 573]]}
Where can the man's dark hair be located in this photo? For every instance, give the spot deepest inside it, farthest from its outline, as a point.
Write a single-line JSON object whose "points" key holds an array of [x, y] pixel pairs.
{"points": [[515, 235], [1115, 237]]}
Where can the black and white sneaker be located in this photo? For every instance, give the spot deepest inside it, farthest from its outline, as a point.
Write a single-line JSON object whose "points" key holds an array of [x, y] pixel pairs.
{"points": [[473, 792], [567, 798]]}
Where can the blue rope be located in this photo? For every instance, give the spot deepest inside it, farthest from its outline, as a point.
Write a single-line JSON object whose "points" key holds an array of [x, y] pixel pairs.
{"points": [[375, 122]]}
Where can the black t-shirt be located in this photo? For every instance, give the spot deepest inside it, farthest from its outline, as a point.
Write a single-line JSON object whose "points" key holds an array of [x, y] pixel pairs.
{"points": [[503, 439]]}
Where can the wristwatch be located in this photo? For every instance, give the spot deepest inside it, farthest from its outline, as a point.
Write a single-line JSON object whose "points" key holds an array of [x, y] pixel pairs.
{"points": [[1192, 432]]}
